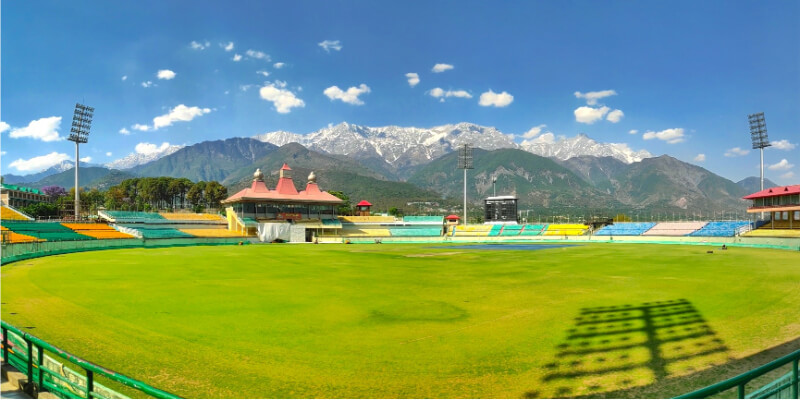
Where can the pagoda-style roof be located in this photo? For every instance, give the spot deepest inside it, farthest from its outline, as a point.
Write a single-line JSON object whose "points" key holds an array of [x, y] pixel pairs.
{"points": [[285, 191], [364, 203], [452, 216], [774, 191]]}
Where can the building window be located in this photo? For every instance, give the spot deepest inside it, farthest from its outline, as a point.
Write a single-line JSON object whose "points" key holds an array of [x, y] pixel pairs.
{"points": [[777, 216], [785, 215]]}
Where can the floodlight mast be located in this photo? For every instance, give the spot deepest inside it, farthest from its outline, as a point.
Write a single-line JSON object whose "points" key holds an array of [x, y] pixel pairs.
{"points": [[758, 134], [465, 163], [79, 133]]}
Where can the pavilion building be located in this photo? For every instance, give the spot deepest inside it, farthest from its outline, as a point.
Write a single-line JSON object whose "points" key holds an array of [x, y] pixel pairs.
{"points": [[782, 203], [312, 207]]}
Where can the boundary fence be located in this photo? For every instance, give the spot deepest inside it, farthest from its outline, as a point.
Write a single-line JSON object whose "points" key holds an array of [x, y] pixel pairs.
{"points": [[22, 251], [785, 387], [46, 373]]}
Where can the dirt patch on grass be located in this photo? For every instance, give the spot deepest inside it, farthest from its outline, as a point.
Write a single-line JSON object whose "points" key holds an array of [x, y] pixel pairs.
{"points": [[448, 253]]}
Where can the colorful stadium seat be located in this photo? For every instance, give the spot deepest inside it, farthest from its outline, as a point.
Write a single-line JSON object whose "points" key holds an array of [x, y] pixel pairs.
{"points": [[721, 228], [193, 217], [97, 231], [211, 233], [566, 230], [50, 231], [674, 228], [11, 214], [777, 233], [625, 229]]}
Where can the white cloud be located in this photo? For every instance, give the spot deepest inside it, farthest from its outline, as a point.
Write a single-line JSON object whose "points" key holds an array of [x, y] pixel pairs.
{"points": [[783, 145], [150, 148], [86, 159], [700, 157], [350, 96], [259, 55], [124, 131], [533, 132], [783, 165], [283, 99], [788, 175], [3, 126], [245, 88], [590, 115], [177, 114], [44, 129], [237, 57], [199, 46], [227, 47], [592, 97], [279, 65], [2, 153], [264, 73], [615, 116], [545, 138], [147, 84], [165, 74], [735, 152], [441, 68], [491, 98], [330, 44], [440, 93], [671, 136], [124, 77], [39, 163], [138, 127], [108, 154], [413, 79], [633, 131]]}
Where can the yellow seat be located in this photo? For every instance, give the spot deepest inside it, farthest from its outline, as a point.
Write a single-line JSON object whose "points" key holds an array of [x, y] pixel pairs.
{"points": [[211, 232], [7, 213]]}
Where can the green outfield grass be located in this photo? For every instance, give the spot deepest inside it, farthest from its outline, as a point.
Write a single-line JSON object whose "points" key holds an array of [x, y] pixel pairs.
{"points": [[414, 321]]}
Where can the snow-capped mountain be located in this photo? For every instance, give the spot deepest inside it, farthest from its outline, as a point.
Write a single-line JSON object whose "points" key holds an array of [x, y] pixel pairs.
{"points": [[134, 159], [409, 146], [398, 146], [565, 148]]}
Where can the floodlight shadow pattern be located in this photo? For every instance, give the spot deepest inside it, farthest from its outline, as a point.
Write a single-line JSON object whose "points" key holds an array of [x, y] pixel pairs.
{"points": [[630, 345]]}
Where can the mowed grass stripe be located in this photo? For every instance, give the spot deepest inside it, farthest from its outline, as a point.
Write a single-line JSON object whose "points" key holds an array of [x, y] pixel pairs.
{"points": [[408, 320]]}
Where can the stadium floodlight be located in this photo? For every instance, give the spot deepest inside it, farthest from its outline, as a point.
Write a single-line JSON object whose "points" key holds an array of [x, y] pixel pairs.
{"points": [[79, 133], [758, 134], [465, 163]]}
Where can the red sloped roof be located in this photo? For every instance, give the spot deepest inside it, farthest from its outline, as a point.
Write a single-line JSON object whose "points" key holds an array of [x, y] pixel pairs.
{"points": [[452, 216], [774, 191], [284, 191], [363, 203]]}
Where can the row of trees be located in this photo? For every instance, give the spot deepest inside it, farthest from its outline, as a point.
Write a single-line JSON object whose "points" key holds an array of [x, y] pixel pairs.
{"points": [[164, 193], [143, 194]]}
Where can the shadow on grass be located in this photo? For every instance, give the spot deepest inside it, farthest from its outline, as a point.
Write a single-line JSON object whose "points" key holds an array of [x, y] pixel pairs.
{"points": [[630, 345]]}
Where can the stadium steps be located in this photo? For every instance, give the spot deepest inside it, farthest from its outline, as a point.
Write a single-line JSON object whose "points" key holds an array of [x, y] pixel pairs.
{"points": [[776, 233], [14, 237], [210, 232], [50, 231], [132, 216], [721, 228], [674, 228], [625, 229], [533, 229], [12, 214], [97, 231], [191, 217], [566, 230], [411, 232]]}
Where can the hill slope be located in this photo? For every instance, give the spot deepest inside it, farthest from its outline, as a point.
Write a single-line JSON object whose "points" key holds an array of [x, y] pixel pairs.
{"points": [[207, 161]]}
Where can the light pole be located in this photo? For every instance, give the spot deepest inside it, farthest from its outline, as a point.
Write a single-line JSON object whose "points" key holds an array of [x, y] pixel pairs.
{"points": [[81, 124], [465, 163]]}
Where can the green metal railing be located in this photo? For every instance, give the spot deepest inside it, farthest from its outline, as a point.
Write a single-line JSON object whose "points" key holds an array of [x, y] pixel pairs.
{"points": [[41, 377], [788, 381]]}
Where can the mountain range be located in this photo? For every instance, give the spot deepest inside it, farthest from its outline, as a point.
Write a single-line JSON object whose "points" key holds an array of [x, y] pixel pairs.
{"points": [[395, 165]]}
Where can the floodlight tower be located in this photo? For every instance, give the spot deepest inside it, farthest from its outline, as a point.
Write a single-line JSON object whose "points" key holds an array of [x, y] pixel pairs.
{"points": [[465, 163], [81, 124], [758, 133]]}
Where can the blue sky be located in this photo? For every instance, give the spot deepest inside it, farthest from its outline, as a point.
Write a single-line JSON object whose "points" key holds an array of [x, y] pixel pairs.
{"points": [[684, 75]]}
